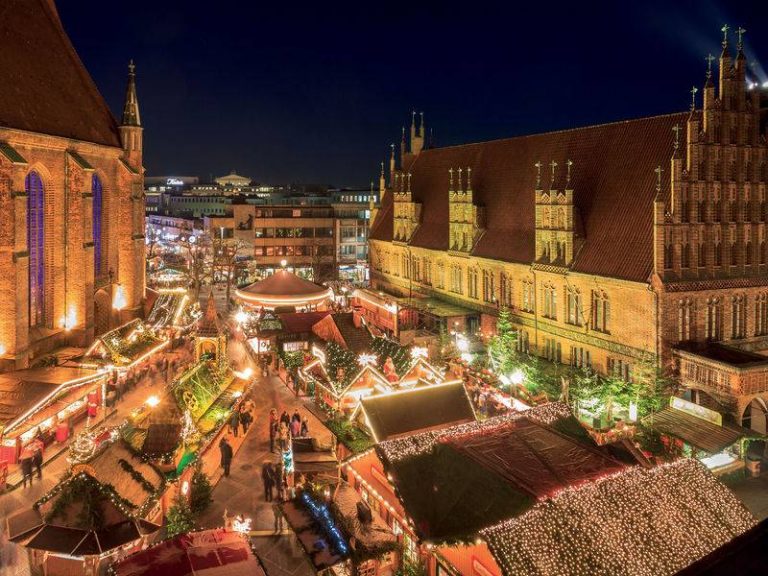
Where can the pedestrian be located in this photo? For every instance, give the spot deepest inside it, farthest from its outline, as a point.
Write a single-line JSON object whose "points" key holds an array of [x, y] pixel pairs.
{"points": [[268, 477], [234, 422], [296, 417], [304, 432], [245, 419], [226, 455], [272, 429], [285, 418], [280, 481], [295, 428], [284, 437], [37, 458], [278, 514], [26, 467]]}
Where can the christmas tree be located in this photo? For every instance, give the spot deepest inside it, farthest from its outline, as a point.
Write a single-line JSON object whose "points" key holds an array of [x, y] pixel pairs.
{"points": [[180, 518], [200, 491]]}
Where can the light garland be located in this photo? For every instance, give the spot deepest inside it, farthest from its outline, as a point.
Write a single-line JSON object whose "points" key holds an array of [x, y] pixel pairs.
{"points": [[636, 522], [399, 449]]}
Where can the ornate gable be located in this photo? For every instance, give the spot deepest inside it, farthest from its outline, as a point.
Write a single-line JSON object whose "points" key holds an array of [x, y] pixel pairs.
{"points": [[466, 220], [407, 213]]}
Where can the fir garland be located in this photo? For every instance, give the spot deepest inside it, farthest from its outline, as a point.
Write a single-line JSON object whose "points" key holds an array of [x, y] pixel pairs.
{"points": [[136, 475]]}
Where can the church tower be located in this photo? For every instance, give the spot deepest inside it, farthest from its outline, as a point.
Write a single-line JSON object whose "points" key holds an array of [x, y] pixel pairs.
{"points": [[131, 274]]}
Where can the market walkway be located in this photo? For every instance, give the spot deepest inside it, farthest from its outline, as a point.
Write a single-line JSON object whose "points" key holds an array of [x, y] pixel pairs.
{"points": [[243, 491]]}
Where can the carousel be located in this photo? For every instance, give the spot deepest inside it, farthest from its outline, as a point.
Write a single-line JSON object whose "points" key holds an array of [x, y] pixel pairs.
{"points": [[284, 291]]}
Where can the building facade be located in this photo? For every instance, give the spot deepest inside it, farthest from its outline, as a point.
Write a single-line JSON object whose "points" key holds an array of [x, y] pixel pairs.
{"points": [[71, 193], [612, 245]]}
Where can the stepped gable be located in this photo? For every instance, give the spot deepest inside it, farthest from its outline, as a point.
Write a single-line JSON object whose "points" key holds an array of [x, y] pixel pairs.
{"points": [[614, 187], [45, 88]]}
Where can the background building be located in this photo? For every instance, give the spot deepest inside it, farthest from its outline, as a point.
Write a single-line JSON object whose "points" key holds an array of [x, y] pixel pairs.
{"points": [[614, 246], [71, 193]]}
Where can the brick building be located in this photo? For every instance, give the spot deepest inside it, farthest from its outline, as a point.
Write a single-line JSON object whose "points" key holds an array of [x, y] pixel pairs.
{"points": [[611, 244], [71, 192]]}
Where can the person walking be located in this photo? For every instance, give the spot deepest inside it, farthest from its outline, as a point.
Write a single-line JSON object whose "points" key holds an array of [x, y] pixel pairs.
{"points": [[304, 432], [26, 466], [234, 422], [272, 429], [295, 428], [226, 455], [279, 473], [268, 477], [285, 419], [245, 419], [37, 457]]}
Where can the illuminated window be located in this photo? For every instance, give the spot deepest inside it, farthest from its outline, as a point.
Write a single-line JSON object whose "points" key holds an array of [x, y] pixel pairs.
{"points": [[98, 214], [36, 247], [550, 302]]}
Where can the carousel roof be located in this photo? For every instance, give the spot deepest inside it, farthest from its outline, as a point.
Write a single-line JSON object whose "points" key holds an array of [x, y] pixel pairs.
{"points": [[283, 288]]}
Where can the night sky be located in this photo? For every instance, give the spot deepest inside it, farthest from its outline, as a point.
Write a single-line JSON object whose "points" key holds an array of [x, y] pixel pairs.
{"points": [[284, 92]]}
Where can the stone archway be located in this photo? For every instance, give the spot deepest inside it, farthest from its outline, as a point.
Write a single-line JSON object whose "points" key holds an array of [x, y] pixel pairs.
{"points": [[102, 310], [755, 416]]}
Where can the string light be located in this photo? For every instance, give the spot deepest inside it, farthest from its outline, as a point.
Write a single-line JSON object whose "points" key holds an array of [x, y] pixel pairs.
{"points": [[637, 522]]}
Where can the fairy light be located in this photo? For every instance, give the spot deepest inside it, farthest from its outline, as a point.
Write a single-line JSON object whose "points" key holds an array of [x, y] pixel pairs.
{"points": [[636, 522], [119, 301], [399, 449], [366, 359]]}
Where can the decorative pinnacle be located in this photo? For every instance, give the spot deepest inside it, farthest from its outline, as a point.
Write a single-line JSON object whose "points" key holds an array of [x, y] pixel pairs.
{"points": [[693, 98], [469, 178], [131, 68], [450, 176], [409, 181], [568, 163], [553, 165], [538, 174], [724, 30], [676, 129], [709, 60], [741, 31], [658, 171], [382, 169], [460, 188]]}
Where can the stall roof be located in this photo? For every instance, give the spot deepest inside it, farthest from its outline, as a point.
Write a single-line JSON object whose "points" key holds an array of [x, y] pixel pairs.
{"points": [[23, 389], [457, 480], [638, 521], [373, 536], [208, 552], [417, 409], [695, 431], [300, 322], [745, 554]]}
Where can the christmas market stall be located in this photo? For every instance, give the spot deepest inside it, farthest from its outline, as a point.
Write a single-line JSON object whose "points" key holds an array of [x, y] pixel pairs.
{"points": [[688, 429], [44, 403], [412, 410], [106, 508], [635, 522], [125, 347], [171, 429], [453, 482], [337, 529], [217, 552]]}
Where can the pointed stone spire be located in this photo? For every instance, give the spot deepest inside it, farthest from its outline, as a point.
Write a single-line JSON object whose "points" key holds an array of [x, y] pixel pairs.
{"points": [[740, 44], [131, 116], [391, 163], [709, 60], [422, 133], [724, 30]]}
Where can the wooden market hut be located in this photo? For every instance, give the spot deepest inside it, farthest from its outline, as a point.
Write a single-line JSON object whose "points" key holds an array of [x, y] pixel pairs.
{"points": [[108, 506]]}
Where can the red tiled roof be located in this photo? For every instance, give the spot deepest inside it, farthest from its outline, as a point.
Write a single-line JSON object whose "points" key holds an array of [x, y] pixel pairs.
{"points": [[299, 322], [612, 177], [45, 88]]}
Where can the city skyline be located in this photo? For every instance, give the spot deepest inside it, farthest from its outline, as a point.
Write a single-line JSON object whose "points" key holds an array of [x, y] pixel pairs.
{"points": [[320, 99]]}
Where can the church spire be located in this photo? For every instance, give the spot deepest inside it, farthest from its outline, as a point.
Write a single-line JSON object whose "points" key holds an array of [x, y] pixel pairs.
{"points": [[131, 116]]}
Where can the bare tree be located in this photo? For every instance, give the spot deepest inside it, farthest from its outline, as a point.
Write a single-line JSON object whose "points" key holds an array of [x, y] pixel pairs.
{"points": [[198, 254], [225, 261]]}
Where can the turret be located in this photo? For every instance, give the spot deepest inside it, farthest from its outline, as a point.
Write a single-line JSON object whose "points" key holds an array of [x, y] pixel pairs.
{"points": [[130, 125], [417, 134]]}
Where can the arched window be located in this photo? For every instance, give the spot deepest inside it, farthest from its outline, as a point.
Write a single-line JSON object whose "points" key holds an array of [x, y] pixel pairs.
{"points": [[700, 211], [718, 254], [718, 211], [748, 253], [36, 247], [98, 222], [702, 254], [685, 256]]}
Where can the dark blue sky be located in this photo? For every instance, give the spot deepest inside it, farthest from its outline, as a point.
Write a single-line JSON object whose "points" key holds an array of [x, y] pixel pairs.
{"points": [[286, 92]]}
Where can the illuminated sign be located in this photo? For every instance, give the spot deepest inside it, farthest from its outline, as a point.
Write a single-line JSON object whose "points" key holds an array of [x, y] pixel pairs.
{"points": [[696, 410], [174, 182]]}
